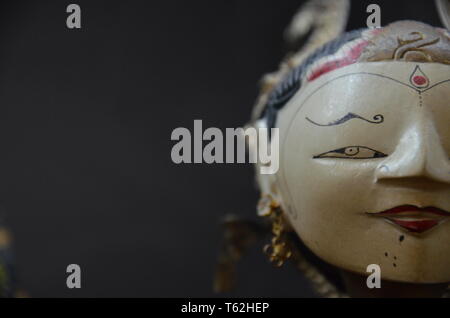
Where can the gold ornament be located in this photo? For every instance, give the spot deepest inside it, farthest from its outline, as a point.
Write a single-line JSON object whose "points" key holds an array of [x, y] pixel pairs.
{"points": [[279, 249]]}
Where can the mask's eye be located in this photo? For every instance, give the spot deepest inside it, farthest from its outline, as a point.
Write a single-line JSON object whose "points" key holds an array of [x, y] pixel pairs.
{"points": [[352, 152]]}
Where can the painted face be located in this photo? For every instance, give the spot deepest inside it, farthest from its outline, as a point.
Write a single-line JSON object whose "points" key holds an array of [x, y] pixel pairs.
{"points": [[365, 168]]}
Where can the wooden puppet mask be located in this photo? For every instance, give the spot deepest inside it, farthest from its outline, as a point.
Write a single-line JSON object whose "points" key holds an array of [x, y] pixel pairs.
{"points": [[364, 173]]}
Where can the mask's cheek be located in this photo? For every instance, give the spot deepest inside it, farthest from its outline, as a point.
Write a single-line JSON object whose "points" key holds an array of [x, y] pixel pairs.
{"points": [[328, 199], [330, 194]]}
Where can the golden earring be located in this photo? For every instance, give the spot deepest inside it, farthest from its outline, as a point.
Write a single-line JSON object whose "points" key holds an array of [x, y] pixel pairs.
{"points": [[278, 250]]}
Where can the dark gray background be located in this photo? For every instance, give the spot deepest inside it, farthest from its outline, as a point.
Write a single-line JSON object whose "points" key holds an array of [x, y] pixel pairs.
{"points": [[86, 117]]}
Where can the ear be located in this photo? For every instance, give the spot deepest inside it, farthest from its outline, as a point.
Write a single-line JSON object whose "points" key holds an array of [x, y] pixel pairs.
{"points": [[267, 183]]}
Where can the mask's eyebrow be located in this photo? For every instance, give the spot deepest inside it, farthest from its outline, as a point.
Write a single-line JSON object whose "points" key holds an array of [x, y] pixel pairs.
{"points": [[377, 119]]}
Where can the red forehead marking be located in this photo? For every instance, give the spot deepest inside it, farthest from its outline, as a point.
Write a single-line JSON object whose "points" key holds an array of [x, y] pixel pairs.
{"points": [[419, 80]]}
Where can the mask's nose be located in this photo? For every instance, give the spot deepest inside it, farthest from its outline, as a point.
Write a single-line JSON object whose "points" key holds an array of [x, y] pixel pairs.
{"points": [[419, 155]]}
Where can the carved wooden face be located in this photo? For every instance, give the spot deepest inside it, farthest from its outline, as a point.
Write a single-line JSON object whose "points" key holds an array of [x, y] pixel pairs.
{"points": [[365, 168]]}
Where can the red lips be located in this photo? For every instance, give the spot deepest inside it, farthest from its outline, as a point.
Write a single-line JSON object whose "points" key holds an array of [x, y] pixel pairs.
{"points": [[413, 218], [419, 226]]}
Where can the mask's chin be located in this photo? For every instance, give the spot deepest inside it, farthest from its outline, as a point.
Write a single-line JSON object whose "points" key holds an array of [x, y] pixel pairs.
{"points": [[404, 256], [356, 286]]}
